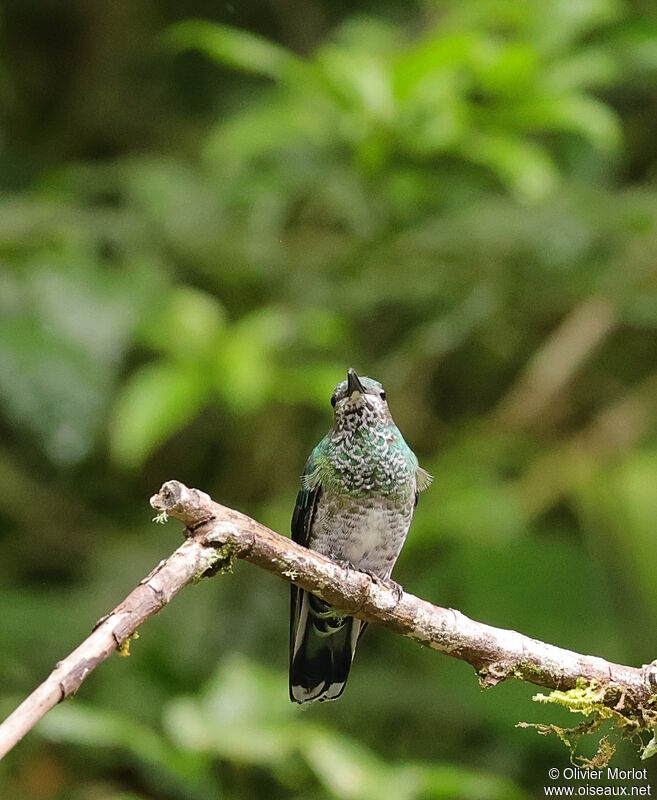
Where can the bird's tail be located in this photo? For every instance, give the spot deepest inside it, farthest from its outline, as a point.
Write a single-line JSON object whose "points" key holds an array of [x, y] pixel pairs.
{"points": [[322, 646]]}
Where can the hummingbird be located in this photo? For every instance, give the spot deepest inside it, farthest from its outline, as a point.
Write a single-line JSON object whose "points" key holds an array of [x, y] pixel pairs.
{"points": [[358, 495]]}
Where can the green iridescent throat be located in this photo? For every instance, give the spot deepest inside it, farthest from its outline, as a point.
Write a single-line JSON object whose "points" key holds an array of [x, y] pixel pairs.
{"points": [[366, 461]]}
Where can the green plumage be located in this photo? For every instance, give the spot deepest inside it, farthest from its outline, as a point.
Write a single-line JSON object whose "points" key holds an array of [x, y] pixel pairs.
{"points": [[358, 493]]}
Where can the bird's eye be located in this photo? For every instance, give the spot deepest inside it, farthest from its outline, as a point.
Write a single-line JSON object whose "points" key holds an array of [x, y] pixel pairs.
{"points": [[333, 400], [382, 394]]}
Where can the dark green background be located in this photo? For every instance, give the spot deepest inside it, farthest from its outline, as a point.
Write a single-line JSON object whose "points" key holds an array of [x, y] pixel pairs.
{"points": [[208, 211]]}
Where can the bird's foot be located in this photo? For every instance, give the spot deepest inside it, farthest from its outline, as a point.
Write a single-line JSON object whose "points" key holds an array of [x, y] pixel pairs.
{"points": [[394, 587], [346, 564]]}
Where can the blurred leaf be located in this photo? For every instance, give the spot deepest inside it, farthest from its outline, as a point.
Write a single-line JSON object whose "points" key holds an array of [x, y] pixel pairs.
{"points": [[153, 404], [230, 46], [81, 723], [186, 327], [245, 367], [526, 168], [349, 771], [89, 727], [65, 327], [243, 716]]}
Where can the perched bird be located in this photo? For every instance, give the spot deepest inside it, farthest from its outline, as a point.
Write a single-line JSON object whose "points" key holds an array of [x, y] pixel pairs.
{"points": [[358, 494]]}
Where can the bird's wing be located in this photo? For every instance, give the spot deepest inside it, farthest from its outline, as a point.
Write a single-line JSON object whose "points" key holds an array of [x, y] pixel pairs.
{"points": [[306, 502], [302, 518], [321, 643], [422, 481]]}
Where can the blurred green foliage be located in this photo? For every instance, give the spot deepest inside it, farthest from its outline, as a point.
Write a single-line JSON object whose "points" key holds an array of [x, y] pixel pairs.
{"points": [[206, 216]]}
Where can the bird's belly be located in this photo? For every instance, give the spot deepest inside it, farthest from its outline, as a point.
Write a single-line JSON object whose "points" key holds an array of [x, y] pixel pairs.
{"points": [[369, 537]]}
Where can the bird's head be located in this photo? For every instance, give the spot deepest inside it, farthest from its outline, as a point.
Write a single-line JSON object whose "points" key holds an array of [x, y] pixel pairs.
{"points": [[357, 401]]}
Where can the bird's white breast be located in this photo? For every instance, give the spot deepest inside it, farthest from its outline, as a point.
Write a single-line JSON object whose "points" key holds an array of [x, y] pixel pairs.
{"points": [[367, 534]]}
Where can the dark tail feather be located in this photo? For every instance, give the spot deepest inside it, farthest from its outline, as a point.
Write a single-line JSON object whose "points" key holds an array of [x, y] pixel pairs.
{"points": [[322, 647]]}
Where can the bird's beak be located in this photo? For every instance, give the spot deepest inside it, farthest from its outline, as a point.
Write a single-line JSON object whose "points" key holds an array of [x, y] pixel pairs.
{"points": [[353, 383]]}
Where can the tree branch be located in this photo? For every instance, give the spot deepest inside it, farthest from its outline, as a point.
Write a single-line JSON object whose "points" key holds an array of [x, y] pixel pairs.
{"points": [[216, 535]]}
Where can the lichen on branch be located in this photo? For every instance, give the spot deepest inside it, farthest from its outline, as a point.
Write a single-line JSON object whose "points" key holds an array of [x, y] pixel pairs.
{"points": [[602, 706]]}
